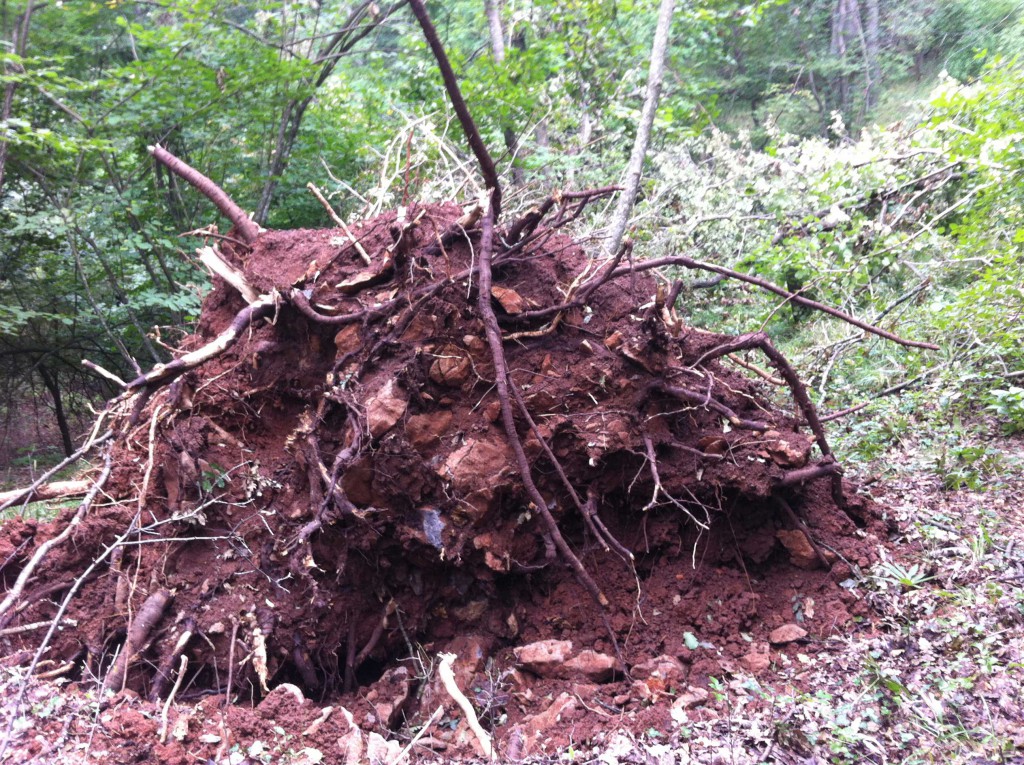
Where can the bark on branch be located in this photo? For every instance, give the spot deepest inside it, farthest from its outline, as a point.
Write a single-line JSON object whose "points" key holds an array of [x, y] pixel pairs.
{"points": [[245, 227], [682, 260], [55, 490], [458, 103], [164, 373]]}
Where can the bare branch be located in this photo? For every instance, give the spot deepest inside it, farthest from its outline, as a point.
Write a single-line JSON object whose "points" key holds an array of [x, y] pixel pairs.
{"points": [[682, 260], [461, 110]]}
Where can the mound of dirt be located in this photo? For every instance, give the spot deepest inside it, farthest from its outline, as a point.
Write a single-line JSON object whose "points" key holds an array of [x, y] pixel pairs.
{"points": [[330, 498]]}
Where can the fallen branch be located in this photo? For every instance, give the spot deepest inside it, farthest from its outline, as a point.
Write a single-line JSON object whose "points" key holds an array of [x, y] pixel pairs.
{"points": [[55, 490], [24, 495], [682, 260], [44, 549], [881, 394]]}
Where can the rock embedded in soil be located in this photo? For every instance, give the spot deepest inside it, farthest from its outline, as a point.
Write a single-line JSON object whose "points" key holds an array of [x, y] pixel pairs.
{"points": [[787, 633], [545, 658], [660, 675], [757, 659], [691, 698], [532, 732], [597, 667]]}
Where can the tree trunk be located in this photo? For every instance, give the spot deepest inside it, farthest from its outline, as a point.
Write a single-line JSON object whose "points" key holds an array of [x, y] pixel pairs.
{"points": [[872, 66], [19, 44], [634, 170], [493, 9], [838, 49], [848, 32], [49, 379]]}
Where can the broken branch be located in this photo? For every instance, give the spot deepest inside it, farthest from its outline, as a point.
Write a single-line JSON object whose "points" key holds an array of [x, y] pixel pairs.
{"points": [[682, 260], [212, 260]]}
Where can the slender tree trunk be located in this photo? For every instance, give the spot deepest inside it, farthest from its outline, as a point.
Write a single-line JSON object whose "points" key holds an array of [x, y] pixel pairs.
{"points": [[20, 43], [362, 20], [494, 26], [838, 49], [49, 379], [872, 66], [848, 32], [634, 170], [493, 9]]}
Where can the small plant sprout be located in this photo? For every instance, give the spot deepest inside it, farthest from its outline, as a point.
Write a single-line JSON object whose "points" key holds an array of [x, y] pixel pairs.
{"points": [[909, 578]]}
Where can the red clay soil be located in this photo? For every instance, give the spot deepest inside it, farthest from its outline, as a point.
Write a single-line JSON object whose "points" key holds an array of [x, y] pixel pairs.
{"points": [[333, 505]]}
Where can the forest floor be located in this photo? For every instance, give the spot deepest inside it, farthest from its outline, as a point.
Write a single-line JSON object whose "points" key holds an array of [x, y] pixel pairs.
{"points": [[928, 669]]}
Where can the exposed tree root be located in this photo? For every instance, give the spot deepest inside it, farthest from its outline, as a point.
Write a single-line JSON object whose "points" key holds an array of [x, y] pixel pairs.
{"points": [[145, 620], [481, 399], [14, 591]]}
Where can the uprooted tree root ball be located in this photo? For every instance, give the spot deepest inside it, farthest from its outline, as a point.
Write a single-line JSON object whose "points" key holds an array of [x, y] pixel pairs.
{"points": [[340, 477]]}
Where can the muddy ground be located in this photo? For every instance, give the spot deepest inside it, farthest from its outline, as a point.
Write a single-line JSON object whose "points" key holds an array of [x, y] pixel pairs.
{"points": [[313, 516]]}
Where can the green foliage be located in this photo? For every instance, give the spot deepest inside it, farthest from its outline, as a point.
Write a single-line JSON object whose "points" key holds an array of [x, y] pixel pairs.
{"points": [[909, 577], [1008, 406]]}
